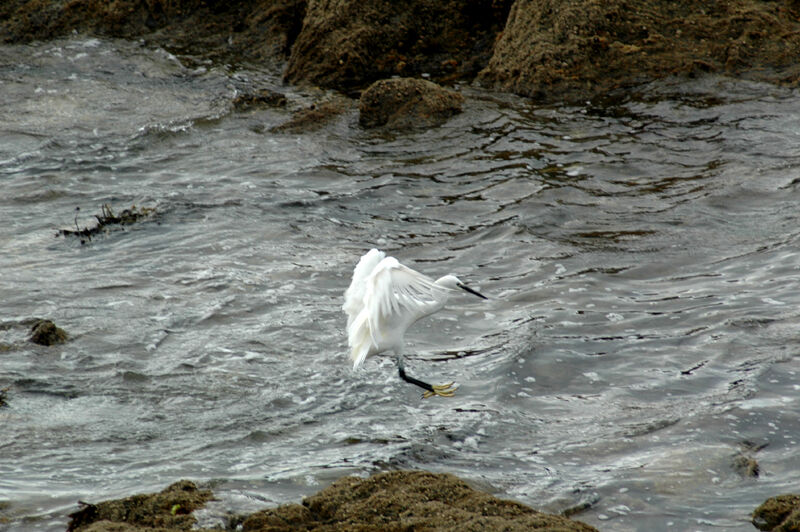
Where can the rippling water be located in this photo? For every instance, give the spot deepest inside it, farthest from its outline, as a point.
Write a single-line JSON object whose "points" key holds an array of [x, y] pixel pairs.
{"points": [[641, 255]]}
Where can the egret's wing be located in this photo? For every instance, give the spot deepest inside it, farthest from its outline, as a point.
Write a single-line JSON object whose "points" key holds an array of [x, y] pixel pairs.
{"points": [[354, 295], [398, 295]]}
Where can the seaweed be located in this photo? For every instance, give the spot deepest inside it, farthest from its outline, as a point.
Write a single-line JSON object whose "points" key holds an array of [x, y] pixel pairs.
{"points": [[105, 220]]}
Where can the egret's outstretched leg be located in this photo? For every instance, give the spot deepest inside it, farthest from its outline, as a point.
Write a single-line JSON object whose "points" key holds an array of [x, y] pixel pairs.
{"points": [[442, 390]]}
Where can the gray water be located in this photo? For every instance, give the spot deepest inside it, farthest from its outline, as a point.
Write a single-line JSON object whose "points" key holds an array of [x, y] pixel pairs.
{"points": [[641, 258]]}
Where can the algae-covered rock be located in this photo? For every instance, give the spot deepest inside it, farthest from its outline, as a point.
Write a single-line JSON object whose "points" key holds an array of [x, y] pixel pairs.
{"points": [[347, 44], [406, 500], [45, 332], [778, 514], [169, 510], [385, 502], [557, 49], [407, 103]]}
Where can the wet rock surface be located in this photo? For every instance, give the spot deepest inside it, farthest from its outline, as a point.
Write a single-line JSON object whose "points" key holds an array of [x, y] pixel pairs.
{"points": [[314, 116], [259, 98], [779, 514], [407, 103]]}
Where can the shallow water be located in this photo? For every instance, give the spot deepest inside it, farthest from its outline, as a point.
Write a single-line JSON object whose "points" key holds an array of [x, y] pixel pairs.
{"points": [[641, 256]]}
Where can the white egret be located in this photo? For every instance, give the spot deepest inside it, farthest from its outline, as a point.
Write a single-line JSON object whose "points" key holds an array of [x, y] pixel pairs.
{"points": [[384, 299]]}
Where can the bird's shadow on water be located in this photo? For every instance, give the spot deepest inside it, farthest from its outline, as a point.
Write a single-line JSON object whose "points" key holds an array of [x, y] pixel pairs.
{"points": [[444, 356]]}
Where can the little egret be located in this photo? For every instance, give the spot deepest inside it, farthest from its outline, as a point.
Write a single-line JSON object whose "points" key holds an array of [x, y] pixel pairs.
{"points": [[384, 299]]}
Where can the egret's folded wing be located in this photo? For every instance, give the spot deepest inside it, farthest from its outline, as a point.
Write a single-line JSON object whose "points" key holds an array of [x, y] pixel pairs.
{"points": [[354, 295]]}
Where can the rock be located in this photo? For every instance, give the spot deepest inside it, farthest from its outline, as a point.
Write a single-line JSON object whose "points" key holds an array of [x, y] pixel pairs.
{"points": [[406, 500], [780, 514], [403, 103], [314, 116], [347, 44], [746, 466], [169, 510], [45, 332], [259, 98], [394, 501], [547, 49], [261, 30], [556, 49]]}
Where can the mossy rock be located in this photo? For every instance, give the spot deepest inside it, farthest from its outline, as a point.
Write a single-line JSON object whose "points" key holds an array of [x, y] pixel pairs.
{"points": [[45, 332]]}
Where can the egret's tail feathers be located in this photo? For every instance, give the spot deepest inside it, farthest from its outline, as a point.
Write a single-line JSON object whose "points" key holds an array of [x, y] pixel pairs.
{"points": [[358, 357], [354, 295], [360, 339]]}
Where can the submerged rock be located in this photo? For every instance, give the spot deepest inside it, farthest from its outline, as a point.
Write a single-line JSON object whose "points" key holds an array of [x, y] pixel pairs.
{"points": [[314, 116], [258, 99], [407, 103], [45, 332], [780, 513]]}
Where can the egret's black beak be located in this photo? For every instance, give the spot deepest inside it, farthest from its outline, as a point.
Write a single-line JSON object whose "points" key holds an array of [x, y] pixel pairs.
{"points": [[471, 291]]}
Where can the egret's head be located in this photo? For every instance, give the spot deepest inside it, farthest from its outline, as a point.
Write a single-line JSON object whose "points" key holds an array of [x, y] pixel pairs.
{"points": [[452, 282]]}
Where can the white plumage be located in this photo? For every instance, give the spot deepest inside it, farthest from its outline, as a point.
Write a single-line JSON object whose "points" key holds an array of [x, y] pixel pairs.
{"points": [[384, 299]]}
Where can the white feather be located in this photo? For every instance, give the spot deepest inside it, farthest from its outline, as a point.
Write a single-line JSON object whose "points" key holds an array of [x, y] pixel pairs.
{"points": [[384, 299]]}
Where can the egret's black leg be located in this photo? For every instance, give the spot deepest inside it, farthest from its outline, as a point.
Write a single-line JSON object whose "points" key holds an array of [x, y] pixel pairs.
{"points": [[412, 380], [443, 390]]}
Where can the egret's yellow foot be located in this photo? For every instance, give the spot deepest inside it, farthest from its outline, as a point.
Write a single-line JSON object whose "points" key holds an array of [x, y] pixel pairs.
{"points": [[442, 390]]}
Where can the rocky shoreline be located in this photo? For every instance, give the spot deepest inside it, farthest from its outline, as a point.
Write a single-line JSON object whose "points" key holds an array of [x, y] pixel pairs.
{"points": [[393, 501], [543, 49]]}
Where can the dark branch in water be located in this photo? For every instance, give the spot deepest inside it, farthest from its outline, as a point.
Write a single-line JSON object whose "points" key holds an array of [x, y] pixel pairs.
{"points": [[698, 366], [105, 219]]}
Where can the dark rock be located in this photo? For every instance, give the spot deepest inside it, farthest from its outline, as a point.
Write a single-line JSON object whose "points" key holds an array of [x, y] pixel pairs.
{"points": [[45, 332], [259, 98], [347, 44], [230, 30], [407, 103], [778, 514]]}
